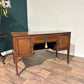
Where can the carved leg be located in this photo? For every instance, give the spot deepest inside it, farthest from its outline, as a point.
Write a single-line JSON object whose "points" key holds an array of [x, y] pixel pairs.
{"points": [[68, 56], [56, 54]]}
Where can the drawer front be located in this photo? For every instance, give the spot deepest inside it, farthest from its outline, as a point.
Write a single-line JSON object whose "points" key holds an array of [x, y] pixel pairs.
{"points": [[64, 41], [45, 38], [38, 39], [52, 38], [24, 47]]}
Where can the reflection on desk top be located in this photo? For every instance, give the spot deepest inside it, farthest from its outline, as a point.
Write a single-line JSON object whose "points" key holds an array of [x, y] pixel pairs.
{"points": [[37, 33], [45, 32]]}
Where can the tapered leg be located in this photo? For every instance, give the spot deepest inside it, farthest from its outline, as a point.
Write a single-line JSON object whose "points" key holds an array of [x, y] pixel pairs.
{"points": [[15, 60], [56, 54], [68, 56]]}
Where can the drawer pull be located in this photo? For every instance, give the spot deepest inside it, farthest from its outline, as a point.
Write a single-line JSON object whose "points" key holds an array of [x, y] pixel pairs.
{"points": [[46, 46], [45, 38], [31, 45], [58, 42]]}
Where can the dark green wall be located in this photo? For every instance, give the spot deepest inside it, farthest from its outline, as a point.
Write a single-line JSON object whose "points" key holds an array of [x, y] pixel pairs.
{"points": [[16, 22]]}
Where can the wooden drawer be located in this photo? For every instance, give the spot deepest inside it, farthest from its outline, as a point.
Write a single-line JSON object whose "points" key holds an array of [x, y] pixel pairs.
{"points": [[23, 46], [52, 38], [44, 38], [63, 42], [39, 39]]}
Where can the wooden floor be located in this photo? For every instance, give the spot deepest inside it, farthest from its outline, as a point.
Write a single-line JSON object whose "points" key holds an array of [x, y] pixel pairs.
{"points": [[43, 68]]}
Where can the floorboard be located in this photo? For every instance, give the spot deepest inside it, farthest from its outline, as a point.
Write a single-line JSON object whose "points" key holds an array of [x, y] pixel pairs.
{"points": [[43, 68]]}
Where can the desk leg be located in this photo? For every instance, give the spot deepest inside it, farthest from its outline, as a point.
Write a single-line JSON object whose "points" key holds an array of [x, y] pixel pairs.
{"points": [[68, 56], [13, 58], [56, 54], [15, 61]]}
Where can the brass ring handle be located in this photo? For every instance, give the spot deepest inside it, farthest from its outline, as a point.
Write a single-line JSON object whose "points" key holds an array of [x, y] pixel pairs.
{"points": [[45, 38], [58, 42], [31, 45]]}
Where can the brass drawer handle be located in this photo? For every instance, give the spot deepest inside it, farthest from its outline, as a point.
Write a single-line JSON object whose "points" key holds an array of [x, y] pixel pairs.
{"points": [[45, 38], [31, 45], [46, 46], [58, 42]]}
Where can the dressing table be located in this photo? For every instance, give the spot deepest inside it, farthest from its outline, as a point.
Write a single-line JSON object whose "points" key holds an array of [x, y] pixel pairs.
{"points": [[24, 42]]}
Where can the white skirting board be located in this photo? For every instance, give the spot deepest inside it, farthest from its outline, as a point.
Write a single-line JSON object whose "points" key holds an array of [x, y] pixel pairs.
{"points": [[4, 53]]}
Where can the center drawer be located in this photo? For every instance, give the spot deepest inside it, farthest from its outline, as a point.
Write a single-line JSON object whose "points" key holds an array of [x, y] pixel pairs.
{"points": [[45, 38], [52, 38], [39, 39]]}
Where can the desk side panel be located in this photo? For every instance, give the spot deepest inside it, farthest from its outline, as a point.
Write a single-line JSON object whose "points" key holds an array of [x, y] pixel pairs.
{"points": [[22, 46], [64, 42]]}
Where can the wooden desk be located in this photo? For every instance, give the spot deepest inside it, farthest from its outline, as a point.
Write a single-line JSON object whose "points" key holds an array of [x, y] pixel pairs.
{"points": [[24, 42], [2, 58]]}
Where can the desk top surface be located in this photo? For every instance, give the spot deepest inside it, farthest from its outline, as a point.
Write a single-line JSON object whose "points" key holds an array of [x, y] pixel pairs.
{"points": [[45, 32], [37, 32]]}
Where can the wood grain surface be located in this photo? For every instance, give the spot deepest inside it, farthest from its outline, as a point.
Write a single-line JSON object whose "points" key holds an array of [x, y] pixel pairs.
{"points": [[43, 68]]}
